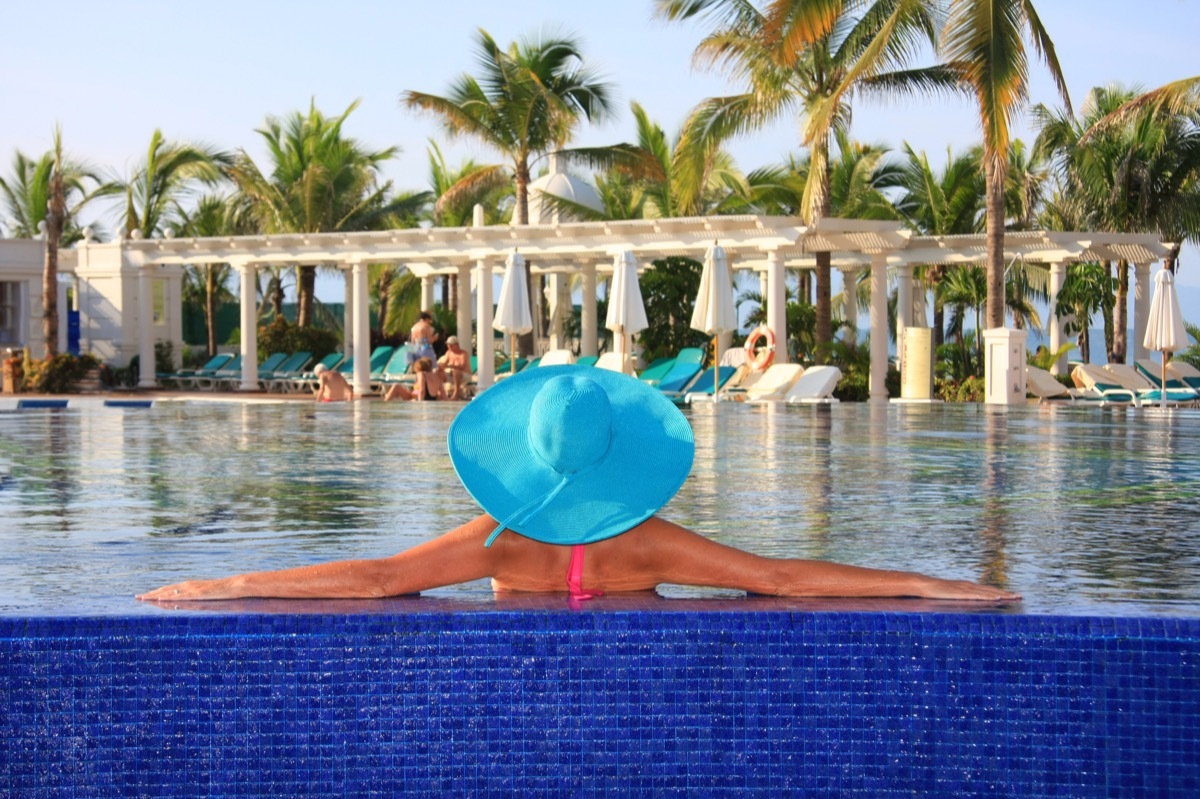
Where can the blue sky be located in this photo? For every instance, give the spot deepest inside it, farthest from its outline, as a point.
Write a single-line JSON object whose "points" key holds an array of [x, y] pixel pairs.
{"points": [[211, 72]]}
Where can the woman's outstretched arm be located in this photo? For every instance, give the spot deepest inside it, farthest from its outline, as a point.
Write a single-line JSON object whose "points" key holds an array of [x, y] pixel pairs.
{"points": [[677, 555], [459, 556]]}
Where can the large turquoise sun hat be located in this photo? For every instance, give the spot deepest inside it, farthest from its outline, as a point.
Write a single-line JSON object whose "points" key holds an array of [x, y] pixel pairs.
{"points": [[571, 454]]}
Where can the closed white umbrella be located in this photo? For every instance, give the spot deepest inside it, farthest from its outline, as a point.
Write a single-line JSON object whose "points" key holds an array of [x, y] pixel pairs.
{"points": [[714, 313], [512, 306], [1164, 327], [626, 311]]}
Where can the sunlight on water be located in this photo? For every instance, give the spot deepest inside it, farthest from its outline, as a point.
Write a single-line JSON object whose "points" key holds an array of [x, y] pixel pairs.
{"points": [[1081, 510]]}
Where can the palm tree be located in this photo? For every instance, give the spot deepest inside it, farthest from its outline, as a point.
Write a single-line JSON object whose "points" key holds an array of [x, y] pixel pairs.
{"points": [[456, 191], [984, 42], [525, 103], [949, 202], [963, 289], [320, 181], [46, 195], [213, 216], [811, 58], [154, 191], [1087, 289], [1140, 172], [654, 178]]}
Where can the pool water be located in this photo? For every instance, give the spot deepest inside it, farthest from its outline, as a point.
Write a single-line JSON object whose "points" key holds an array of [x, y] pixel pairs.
{"points": [[1083, 511]]}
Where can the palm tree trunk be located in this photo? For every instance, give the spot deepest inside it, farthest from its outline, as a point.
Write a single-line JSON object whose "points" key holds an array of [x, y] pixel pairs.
{"points": [[277, 294], [994, 174], [1108, 314], [210, 308], [823, 335], [305, 291], [54, 225], [521, 212], [1120, 346]]}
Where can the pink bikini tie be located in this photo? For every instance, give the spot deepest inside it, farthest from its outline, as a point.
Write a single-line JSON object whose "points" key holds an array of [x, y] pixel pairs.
{"points": [[575, 576]]}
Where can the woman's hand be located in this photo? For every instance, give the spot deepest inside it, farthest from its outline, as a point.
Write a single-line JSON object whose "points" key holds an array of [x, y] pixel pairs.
{"points": [[193, 590]]}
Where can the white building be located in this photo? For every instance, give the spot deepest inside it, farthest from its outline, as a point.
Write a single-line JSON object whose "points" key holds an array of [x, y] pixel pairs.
{"points": [[107, 284]]}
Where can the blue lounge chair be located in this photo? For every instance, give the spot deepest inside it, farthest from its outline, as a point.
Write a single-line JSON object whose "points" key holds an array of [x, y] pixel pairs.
{"points": [[265, 369], [396, 370], [656, 370], [682, 373], [703, 386], [233, 369], [186, 378], [290, 369], [587, 360]]}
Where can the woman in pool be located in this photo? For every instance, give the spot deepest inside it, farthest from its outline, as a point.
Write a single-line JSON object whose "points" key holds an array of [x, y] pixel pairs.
{"points": [[574, 462]]}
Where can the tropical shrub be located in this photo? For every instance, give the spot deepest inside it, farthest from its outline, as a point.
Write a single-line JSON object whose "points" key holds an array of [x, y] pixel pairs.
{"points": [[669, 292], [59, 374], [282, 336], [969, 389]]}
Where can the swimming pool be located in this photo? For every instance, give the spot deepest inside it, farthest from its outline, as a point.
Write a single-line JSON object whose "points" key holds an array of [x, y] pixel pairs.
{"points": [[1083, 511], [1089, 688]]}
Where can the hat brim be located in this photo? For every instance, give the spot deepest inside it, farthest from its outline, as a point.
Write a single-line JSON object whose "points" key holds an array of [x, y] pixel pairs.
{"points": [[648, 459]]}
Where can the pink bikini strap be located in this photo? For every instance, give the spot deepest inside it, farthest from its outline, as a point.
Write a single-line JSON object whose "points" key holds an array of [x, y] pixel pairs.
{"points": [[575, 575]]}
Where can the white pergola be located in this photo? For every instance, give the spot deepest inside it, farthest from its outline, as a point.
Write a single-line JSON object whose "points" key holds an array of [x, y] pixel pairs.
{"points": [[767, 245]]}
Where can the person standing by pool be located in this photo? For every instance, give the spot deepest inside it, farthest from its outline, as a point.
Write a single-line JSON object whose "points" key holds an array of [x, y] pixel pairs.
{"points": [[456, 366], [575, 464], [331, 385], [421, 338]]}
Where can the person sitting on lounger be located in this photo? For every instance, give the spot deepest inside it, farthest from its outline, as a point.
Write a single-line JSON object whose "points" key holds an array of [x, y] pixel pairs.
{"points": [[570, 466], [429, 385], [331, 385], [456, 366]]}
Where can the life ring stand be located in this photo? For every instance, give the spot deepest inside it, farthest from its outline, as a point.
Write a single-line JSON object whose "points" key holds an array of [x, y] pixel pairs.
{"points": [[760, 359]]}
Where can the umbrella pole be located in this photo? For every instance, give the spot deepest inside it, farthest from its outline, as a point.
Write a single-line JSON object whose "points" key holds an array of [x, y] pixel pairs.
{"points": [[1163, 398], [715, 399], [512, 353]]}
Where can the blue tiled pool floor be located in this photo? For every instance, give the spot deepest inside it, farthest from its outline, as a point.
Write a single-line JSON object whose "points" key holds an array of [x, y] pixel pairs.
{"points": [[419, 697]]}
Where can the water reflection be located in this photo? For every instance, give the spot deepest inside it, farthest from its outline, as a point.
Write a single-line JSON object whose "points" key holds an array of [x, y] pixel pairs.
{"points": [[1081, 510]]}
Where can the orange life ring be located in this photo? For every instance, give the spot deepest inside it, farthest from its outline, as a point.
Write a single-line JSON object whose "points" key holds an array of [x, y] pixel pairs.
{"points": [[760, 359]]}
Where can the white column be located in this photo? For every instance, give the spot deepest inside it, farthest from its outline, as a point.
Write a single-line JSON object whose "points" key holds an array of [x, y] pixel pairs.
{"points": [[904, 303], [850, 296], [588, 344], [560, 303], [485, 371], [146, 377], [1141, 310], [879, 328], [1058, 277], [348, 314], [362, 332], [249, 330], [776, 297], [427, 287], [463, 309]]}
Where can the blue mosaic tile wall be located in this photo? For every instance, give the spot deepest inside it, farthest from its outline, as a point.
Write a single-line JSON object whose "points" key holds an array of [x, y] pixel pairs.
{"points": [[599, 703]]}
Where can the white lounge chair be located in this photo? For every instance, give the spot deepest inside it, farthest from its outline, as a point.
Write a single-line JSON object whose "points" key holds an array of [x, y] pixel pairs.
{"points": [[1185, 373], [615, 362], [1046, 388], [557, 358], [1102, 384], [815, 386], [774, 383], [1147, 393]]}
